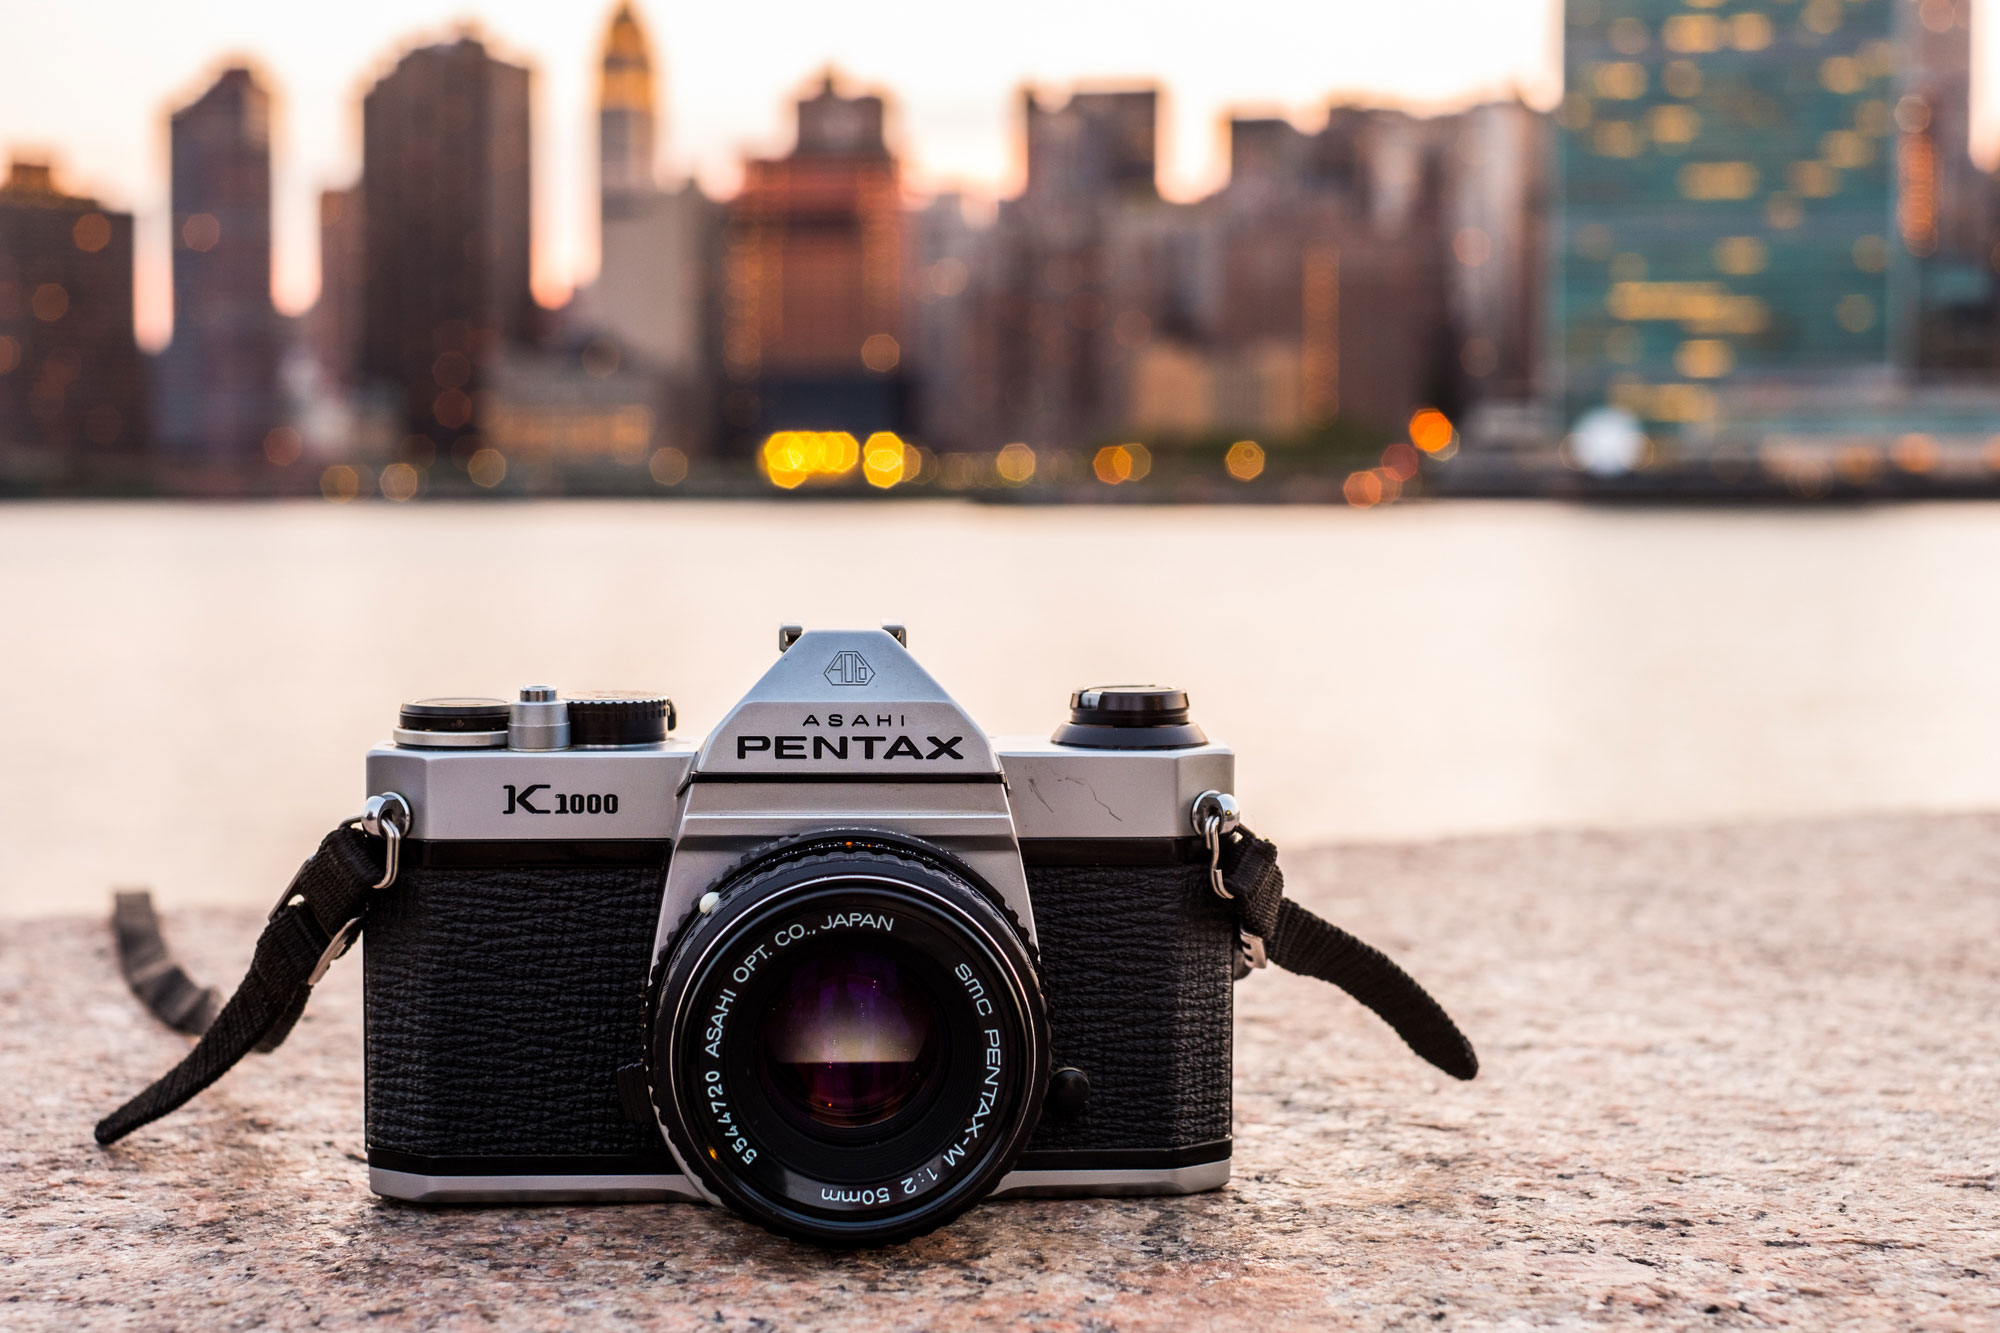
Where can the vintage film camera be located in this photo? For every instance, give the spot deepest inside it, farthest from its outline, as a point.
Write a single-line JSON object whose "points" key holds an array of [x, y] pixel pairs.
{"points": [[847, 966]]}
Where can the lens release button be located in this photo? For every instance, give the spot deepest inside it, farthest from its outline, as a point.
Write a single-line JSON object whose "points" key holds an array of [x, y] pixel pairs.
{"points": [[1069, 1093]]}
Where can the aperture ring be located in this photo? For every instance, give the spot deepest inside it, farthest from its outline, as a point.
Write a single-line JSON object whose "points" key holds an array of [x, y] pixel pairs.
{"points": [[709, 1078]]}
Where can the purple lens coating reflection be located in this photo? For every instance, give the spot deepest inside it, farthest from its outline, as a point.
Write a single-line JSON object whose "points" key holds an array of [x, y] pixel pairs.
{"points": [[849, 1038]]}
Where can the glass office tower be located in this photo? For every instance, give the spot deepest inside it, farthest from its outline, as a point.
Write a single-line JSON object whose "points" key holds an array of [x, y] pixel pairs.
{"points": [[1727, 202]]}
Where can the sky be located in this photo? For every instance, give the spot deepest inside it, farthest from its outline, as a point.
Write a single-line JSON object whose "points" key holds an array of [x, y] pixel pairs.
{"points": [[92, 84]]}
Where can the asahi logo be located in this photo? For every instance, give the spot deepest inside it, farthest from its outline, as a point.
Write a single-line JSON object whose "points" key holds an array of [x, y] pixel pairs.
{"points": [[848, 668]]}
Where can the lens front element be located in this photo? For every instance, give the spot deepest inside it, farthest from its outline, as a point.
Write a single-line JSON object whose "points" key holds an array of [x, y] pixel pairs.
{"points": [[850, 1038], [851, 1046]]}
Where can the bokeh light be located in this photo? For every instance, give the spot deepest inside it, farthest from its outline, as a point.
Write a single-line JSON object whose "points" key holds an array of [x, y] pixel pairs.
{"points": [[1432, 431], [1400, 460], [487, 468], [884, 459], [1016, 464], [790, 458], [340, 483], [668, 466], [1362, 489], [1116, 464], [201, 232], [91, 233], [282, 446], [399, 482], [881, 353], [50, 302], [1245, 460]]}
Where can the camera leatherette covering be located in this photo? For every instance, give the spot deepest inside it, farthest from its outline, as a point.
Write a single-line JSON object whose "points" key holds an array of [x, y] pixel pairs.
{"points": [[501, 1002], [1137, 969]]}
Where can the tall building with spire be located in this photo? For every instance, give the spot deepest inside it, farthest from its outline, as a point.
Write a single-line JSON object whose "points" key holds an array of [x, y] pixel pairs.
{"points": [[626, 116], [218, 378], [655, 293]]}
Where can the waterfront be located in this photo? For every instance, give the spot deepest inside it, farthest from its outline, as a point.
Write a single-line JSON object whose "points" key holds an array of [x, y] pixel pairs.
{"points": [[191, 688]]}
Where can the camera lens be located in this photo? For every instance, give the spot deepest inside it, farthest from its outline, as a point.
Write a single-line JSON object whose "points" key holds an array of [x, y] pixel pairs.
{"points": [[851, 1045], [850, 1038]]}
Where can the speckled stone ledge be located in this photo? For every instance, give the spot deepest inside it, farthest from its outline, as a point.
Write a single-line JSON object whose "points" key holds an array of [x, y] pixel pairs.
{"points": [[1738, 1077]]}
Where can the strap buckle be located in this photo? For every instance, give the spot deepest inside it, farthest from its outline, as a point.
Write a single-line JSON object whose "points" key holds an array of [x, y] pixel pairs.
{"points": [[336, 948], [387, 817]]}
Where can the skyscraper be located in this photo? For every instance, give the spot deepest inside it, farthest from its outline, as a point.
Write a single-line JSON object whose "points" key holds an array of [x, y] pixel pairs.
{"points": [[1750, 202], [659, 249], [1945, 209], [1329, 297], [626, 117], [1097, 145], [69, 367], [1937, 70], [333, 325], [813, 297], [1497, 192], [218, 378], [1069, 318], [445, 206]]}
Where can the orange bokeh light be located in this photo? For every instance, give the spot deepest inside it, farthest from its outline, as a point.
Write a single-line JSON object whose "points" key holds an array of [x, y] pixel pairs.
{"points": [[1116, 463], [1244, 461], [1431, 430]]}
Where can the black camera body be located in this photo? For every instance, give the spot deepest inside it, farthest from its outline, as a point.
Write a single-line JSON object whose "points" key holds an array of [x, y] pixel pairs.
{"points": [[848, 966]]}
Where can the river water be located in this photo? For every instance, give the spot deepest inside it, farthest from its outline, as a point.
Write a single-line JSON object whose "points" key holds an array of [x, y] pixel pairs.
{"points": [[189, 690]]}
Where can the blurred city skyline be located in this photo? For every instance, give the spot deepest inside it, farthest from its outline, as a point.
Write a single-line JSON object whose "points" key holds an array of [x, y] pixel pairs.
{"points": [[1748, 237], [953, 116]]}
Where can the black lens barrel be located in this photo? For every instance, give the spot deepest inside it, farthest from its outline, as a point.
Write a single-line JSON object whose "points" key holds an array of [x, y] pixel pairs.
{"points": [[912, 990]]}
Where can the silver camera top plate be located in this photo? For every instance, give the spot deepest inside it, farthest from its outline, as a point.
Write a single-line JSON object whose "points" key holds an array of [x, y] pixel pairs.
{"points": [[848, 704], [514, 795]]}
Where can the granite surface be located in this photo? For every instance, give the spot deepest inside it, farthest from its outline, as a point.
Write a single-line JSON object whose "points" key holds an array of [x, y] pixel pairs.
{"points": [[1737, 1077]]}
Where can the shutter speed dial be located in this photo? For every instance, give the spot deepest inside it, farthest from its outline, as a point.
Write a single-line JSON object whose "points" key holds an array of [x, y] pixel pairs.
{"points": [[603, 720]]}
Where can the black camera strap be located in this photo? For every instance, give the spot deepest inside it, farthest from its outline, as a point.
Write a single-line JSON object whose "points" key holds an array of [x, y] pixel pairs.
{"points": [[1298, 941], [315, 921], [321, 913], [161, 984]]}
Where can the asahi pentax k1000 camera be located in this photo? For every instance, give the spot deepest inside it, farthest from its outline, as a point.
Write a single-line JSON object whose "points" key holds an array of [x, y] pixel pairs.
{"points": [[847, 966]]}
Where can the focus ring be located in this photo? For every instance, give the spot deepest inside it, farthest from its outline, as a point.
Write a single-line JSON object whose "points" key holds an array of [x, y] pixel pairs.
{"points": [[700, 1050]]}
